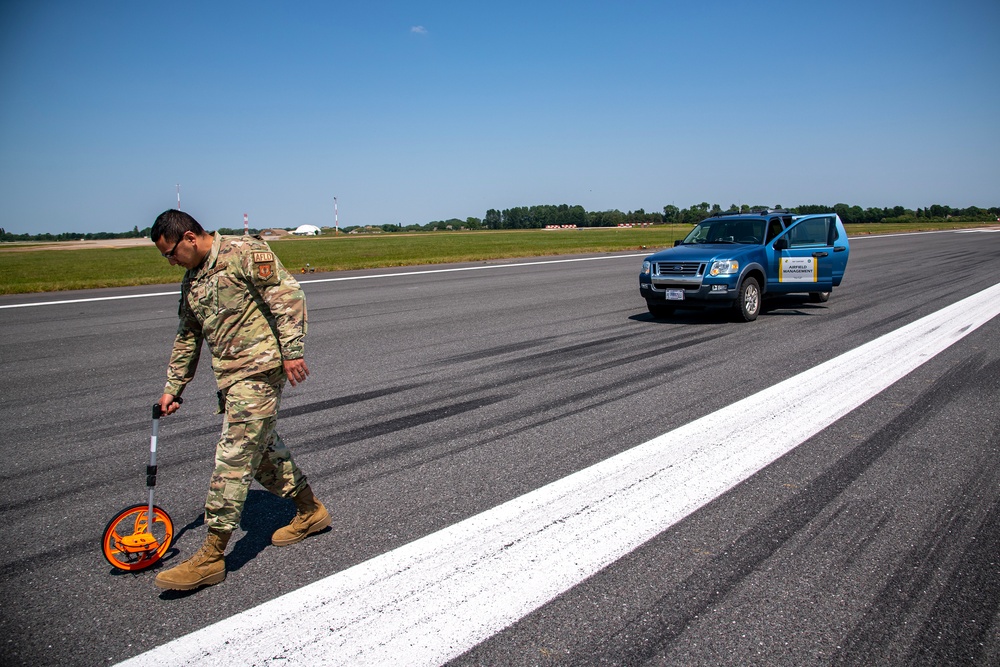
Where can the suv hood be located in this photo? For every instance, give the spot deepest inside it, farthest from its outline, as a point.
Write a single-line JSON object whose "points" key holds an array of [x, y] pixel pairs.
{"points": [[703, 252]]}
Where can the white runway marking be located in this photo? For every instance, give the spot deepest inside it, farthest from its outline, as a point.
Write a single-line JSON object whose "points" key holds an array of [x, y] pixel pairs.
{"points": [[98, 298], [435, 598], [338, 279], [472, 268]]}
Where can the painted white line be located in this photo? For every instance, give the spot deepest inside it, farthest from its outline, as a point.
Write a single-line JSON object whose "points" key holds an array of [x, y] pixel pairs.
{"points": [[471, 268], [340, 279], [862, 237], [435, 598], [99, 298]]}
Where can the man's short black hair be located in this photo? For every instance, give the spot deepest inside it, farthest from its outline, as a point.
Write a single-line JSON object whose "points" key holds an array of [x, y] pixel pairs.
{"points": [[171, 225]]}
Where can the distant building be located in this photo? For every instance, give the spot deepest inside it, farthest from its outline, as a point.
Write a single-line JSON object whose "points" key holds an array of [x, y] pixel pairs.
{"points": [[306, 230], [273, 233]]}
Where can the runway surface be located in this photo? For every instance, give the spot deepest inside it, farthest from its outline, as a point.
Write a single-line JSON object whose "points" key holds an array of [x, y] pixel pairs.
{"points": [[449, 410]]}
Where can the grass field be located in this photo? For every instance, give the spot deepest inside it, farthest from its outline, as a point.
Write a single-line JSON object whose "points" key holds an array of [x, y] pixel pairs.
{"points": [[41, 268]]}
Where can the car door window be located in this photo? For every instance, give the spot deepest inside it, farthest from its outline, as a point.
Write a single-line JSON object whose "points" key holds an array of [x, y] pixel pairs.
{"points": [[811, 232], [773, 229]]}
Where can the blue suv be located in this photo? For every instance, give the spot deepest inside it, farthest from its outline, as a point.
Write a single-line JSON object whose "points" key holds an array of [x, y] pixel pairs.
{"points": [[734, 259]]}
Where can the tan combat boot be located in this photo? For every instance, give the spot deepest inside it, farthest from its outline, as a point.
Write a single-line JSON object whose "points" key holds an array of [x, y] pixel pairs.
{"points": [[311, 517], [206, 567]]}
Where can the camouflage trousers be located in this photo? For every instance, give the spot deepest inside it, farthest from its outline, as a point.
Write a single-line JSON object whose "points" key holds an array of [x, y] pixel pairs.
{"points": [[249, 449]]}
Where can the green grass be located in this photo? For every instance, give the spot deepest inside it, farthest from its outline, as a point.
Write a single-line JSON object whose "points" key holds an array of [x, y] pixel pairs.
{"points": [[360, 252], [54, 270]]}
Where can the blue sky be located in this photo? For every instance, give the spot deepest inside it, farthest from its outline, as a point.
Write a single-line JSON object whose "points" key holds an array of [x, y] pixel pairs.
{"points": [[410, 112]]}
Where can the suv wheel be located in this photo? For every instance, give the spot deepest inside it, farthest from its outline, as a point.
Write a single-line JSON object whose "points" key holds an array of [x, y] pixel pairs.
{"points": [[747, 306], [819, 297]]}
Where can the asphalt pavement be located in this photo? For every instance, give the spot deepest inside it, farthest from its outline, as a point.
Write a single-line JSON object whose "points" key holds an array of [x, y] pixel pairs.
{"points": [[436, 396]]}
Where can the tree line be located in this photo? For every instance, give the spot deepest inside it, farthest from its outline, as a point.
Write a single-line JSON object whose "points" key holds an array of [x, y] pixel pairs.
{"points": [[539, 217], [136, 233]]}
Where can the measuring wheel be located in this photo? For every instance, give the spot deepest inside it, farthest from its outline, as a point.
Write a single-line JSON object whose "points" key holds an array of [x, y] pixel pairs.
{"points": [[130, 543], [139, 535]]}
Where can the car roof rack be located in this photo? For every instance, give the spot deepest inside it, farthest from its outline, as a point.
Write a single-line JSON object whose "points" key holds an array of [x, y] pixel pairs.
{"points": [[753, 211]]}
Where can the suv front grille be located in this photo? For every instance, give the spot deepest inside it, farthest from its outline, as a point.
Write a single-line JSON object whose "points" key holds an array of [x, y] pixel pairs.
{"points": [[678, 269]]}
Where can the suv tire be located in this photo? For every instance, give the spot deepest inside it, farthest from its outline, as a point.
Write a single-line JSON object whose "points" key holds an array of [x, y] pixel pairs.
{"points": [[819, 297], [748, 302]]}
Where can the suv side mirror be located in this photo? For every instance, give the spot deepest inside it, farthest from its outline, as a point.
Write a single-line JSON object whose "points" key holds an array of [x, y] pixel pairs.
{"points": [[781, 244], [678, 242]]}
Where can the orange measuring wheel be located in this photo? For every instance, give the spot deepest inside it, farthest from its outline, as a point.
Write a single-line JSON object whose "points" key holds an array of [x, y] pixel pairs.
{"points": [[139, 535], [131, 543]]}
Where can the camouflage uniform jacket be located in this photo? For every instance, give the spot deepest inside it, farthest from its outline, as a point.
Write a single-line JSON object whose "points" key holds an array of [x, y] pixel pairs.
{"points": [[249, 310]]}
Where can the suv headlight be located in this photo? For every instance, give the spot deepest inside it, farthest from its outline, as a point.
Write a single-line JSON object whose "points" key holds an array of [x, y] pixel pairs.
{"points": [[646, 267], [724, 267]]}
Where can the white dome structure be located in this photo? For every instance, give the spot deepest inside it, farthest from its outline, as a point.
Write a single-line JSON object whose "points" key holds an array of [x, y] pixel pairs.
{"points": [[307, 230]]}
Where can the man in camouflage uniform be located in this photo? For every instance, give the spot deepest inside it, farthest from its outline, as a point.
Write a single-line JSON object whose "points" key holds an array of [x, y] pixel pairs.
{"points": [[239, 299]]}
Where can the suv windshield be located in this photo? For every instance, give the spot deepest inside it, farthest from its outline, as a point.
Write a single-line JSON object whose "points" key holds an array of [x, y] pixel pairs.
{"points": [[727, 231]]}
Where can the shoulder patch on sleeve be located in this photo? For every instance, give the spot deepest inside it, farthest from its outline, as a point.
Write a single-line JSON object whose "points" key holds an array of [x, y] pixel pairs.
{"points": [[263, 257]]}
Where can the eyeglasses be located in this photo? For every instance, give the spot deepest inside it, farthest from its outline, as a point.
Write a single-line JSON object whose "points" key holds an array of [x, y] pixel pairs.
{"points": [[173, 251]]}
